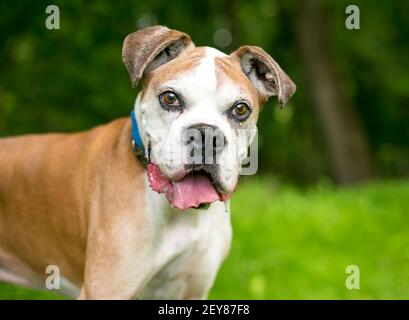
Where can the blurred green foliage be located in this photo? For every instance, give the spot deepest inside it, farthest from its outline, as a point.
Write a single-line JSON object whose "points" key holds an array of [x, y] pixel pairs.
{"points": [[292, 244], [73, 78]]}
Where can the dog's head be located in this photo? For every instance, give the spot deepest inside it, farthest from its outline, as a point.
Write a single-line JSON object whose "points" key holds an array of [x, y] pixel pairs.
{"points": [[198, 110]]}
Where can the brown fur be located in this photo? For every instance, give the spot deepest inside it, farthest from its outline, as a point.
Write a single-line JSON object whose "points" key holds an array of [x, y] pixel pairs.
{"points": [[48, 188], [279, 83], [229, 68], [142, 47], [187, 60]]}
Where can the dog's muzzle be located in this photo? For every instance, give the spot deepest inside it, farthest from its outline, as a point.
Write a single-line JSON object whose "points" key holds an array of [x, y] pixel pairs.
{"points": [[205, 144], [200, 184]]}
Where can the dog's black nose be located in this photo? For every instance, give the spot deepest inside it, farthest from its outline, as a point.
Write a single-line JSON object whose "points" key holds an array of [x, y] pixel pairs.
{"points": [[205, 143]]}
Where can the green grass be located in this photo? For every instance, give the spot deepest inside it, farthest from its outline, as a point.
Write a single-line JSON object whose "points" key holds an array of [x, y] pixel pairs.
{"points": [[290, 244], [293, 244], [11, 292]]}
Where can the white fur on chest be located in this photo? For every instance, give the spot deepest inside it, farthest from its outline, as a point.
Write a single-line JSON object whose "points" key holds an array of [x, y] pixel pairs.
{"points": [[188, 250]]}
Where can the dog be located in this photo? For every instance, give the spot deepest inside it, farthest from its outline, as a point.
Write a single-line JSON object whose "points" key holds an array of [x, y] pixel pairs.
{"points": [[120, 209]]}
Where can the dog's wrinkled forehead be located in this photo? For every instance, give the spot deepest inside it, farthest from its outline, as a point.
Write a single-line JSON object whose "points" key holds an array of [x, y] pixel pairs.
{"points": [[158, 54], [200, 70]]}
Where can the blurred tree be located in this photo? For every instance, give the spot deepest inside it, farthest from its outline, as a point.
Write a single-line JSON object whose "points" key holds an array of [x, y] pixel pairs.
{"points": [[345, 139]]}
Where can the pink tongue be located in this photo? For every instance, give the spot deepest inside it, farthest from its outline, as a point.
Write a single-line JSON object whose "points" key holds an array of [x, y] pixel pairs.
{"points": [[191, 191]]}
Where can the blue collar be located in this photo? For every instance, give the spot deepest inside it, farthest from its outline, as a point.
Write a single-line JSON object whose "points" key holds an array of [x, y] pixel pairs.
{"points": [[137, 144]]}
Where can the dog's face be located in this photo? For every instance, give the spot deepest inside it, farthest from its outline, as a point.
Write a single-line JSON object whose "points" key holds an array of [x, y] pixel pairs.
{"points": [[198, 111]]}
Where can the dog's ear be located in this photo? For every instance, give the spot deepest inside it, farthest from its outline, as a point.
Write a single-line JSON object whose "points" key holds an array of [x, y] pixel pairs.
{"points": [[265, 73], [149, 48]]}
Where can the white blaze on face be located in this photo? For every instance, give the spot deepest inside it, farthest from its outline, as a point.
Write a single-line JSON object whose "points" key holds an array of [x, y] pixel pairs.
{"points": [[206, 102]]}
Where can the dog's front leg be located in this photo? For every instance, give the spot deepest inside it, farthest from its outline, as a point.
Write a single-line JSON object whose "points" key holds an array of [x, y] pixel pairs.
{"points": [[117, 259]]}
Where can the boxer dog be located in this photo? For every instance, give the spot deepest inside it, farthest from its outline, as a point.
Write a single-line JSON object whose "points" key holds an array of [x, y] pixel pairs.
{"points": [[149, 227]]}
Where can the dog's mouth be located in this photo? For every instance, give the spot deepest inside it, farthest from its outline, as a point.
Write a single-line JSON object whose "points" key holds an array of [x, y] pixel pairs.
{"points": [[197, 189]]}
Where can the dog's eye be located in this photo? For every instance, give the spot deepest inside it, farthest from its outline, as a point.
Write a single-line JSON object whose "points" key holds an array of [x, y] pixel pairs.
{"points": [[169, 100], [240, 111]]}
